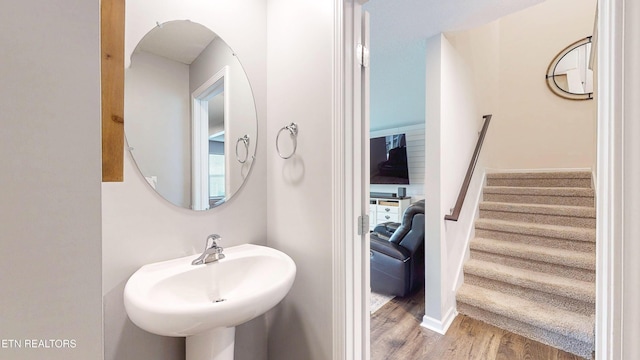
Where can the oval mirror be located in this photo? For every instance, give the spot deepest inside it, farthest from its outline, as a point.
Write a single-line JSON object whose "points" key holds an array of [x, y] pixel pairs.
{"points": [[569, 75], [191, 122]]}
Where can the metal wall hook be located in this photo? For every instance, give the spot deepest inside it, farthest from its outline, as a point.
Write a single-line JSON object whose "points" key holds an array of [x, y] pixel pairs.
{"points": [[245, 141], [293, 132]]}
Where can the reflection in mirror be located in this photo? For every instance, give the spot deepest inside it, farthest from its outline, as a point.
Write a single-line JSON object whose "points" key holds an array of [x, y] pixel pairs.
{"points": [[569, 75], [187, 103]]}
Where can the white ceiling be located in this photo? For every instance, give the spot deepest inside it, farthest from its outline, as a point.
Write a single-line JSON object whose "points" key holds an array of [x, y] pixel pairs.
{"points": [[398, 20], [393, 21], [180, 40]]}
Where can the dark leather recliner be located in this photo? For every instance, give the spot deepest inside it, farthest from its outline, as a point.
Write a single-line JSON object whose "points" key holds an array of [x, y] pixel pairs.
{"points": [[397, 253]]}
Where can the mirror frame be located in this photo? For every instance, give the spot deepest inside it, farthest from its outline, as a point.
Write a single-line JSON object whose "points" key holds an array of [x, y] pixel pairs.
{"points": [[550, 75]]}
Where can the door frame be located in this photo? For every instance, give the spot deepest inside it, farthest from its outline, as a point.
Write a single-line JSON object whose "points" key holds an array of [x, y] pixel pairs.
{"points": [[200, 97], [349, 338], [350, 249], [609, 240]]}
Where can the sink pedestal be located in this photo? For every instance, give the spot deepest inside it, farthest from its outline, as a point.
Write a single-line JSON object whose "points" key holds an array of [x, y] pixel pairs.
{"points": [[216, 344]]}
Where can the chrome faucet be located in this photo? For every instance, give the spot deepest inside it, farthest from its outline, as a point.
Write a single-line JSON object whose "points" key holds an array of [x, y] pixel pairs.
{"points": [[212, 252]]}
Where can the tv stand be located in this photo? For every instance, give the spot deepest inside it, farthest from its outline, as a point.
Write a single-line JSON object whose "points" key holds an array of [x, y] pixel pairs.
{"points": [[386, 208]]}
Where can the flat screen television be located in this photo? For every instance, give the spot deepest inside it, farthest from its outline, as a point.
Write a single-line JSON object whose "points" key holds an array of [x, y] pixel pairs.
{"points": [[389, 160]]}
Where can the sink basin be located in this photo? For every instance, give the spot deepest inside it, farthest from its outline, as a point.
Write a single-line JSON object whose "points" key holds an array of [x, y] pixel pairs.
{"points": [[176, 298]]}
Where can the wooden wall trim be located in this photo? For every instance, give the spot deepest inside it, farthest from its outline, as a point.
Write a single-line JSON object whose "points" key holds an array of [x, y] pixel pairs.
{"points": [[112, 76]]}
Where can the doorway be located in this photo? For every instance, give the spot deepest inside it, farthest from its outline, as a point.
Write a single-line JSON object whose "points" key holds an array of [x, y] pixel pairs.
{"points": [[374, 20], [210, 119]]}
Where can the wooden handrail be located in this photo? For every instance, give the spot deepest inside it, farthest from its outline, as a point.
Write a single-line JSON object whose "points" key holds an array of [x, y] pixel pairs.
{"points": [[467, 179]]}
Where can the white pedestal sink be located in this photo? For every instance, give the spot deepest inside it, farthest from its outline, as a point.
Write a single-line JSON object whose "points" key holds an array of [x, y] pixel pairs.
{"points": [[204, 303]]}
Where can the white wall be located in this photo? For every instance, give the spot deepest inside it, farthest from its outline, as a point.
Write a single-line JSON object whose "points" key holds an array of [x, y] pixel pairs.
{"points": [[480, 47], [50, 178], [157, 102], [532, 128], [139, 227], [461, 123], [397, 86], [299, 190], [397, 74], [434, 251], [453, 122]]}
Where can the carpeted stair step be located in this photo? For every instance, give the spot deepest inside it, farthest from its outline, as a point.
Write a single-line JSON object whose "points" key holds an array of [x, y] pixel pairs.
{"points": [[579, 216], [573, 196], [569, 258], [577, 306], [562, 262], [542, 230], [563, 237], [541, 179], [552, 284], [532, 262], [540, 321]]}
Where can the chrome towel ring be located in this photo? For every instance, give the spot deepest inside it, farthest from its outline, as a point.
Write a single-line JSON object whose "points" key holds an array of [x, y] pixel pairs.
{"points": [[245, 141], [293, 131]]}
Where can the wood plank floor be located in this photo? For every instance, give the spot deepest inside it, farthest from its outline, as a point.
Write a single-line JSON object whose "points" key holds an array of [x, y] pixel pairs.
{"points": [[396, 334]]}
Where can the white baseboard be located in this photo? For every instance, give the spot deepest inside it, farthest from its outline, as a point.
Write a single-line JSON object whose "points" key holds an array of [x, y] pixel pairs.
{"points": [[440, 326]]}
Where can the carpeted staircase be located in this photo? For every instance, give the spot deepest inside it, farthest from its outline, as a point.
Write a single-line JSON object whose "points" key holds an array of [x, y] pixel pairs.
{"points": [[532, 264]]}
